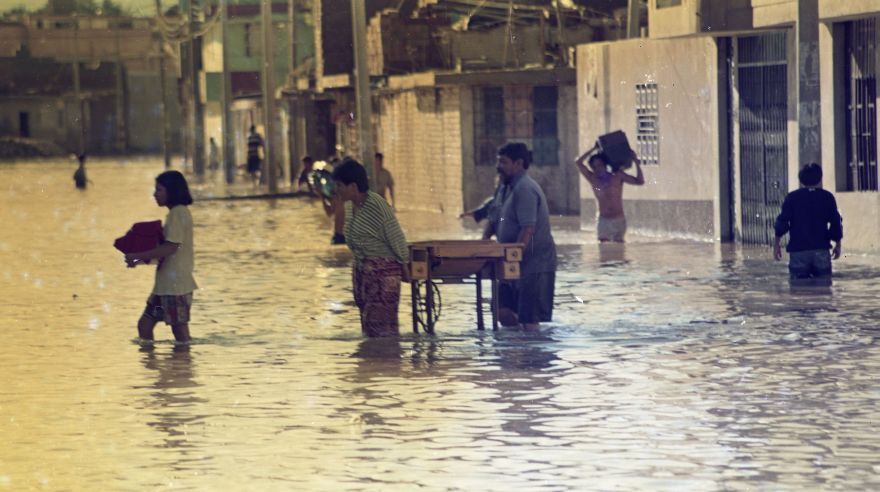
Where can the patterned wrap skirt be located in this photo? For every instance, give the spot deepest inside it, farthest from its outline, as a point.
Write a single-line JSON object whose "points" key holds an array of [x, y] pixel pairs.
{"points": [[376, 286]]}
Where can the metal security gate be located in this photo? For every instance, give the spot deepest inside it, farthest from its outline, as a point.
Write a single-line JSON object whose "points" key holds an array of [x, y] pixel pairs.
{"points": [[861, 105], [763, 141]]}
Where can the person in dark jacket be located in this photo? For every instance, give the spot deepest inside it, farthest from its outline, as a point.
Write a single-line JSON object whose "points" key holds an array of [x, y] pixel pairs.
{"points": [[810, 218]]}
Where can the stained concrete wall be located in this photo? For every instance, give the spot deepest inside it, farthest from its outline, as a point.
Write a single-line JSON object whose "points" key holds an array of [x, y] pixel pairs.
{"points": [[681, 194]]}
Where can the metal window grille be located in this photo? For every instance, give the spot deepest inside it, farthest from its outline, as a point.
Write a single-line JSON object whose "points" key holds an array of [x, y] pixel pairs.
{"points": [[662, 4], [526, 114], [763, 129], [545, 134], [647, 123], [861, 105]]}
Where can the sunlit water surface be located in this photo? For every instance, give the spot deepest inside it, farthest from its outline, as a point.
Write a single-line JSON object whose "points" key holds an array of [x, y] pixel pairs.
{"points": [[671, 365]]}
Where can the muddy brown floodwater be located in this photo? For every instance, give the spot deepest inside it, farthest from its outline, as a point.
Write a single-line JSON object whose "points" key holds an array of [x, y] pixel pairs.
{"points": [[671, 364]]}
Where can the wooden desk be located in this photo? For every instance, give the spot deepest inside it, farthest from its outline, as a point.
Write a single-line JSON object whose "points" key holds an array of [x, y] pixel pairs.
{"points": [[459, 261]]}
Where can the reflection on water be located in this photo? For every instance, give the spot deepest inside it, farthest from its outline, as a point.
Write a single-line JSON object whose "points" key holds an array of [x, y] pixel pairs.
{"points": [[612, 254], [672, 365], [173, 390]]}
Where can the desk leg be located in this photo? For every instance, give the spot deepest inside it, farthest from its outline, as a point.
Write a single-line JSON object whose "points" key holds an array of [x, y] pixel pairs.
{"points": [[494, 303], [480, 325], [414, 296], [429, 306]]}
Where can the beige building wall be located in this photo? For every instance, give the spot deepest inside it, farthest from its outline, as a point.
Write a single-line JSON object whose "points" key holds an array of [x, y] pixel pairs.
{"points": [[419, 132], [48, 118], [97, 39], [681, 193], [831, 9], [773, 13], [720, 17], [861, 210]]}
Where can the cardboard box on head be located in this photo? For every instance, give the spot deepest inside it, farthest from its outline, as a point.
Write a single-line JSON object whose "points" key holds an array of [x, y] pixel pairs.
{"points": [[616, 148]]}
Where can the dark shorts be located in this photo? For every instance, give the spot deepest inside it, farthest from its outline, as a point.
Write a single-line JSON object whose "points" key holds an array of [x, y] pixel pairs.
{"points": [[253, 164], [814, 263], [173, 310], [531, 296]]}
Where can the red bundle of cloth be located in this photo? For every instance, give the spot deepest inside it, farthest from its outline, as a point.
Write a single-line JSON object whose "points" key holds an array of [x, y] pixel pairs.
{"points": [[143, 236]]}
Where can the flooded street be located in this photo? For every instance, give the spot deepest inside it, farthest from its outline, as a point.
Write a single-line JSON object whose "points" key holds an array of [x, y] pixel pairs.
{"points": [[671, 364]]}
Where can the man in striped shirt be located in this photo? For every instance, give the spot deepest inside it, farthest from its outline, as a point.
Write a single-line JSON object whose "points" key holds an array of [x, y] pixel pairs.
{"points": [[254, 162]]}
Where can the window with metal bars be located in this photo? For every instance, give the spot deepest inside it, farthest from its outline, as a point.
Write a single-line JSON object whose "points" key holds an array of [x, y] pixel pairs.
{"points": [[860, 68], [647, 123], [662, 4], [516, 113]]}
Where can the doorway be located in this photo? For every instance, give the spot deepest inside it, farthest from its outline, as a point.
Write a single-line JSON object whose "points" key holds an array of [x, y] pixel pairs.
{"points": [[762, 73], [24, 124]]}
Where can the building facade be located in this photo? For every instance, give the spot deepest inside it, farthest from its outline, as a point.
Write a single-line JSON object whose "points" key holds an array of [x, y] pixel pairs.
{"points": [[118, 62], [711, 100]]}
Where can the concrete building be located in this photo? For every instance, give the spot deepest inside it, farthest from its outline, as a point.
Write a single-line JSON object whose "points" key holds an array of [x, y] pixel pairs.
{"points": [[244, 33], [717, 102], [440, 133], [118, 60], [451, 83]]}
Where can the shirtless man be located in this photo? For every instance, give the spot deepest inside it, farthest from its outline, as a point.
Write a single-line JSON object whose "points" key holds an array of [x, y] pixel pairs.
{"points": [[608, 188]]}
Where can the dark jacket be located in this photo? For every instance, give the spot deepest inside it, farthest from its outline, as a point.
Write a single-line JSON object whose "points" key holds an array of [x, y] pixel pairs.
{"points": [[811, 218]]}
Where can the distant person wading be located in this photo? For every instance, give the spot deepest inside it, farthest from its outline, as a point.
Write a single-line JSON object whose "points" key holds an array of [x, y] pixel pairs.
{"points": [[254, 161], [79, 176]]}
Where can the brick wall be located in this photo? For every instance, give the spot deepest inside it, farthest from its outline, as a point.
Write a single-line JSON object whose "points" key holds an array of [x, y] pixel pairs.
{"points": [[419, 132]]}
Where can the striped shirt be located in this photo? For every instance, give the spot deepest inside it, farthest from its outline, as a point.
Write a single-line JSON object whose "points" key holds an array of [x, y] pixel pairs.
{"points": [[254, 142], [373, 231]]}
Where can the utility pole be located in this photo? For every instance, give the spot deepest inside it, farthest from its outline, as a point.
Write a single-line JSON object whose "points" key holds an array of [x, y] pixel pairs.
{"points": [[80, 116], [195, 56], [293, 105], [632, 18], [226, 103], [291, 32], [163, 85], [121, 137], [270, 168], [560, 28], [362, 87]]}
